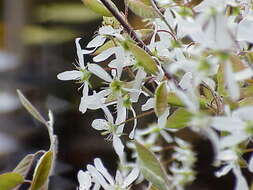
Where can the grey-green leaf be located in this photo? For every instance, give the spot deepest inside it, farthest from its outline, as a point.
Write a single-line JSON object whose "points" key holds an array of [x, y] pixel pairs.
{"points": [[151, 168], [30, 108], [142, 9], [143, 58], [24, 165], [42, 171], [161, 96], [9, 181], [179, 119]]}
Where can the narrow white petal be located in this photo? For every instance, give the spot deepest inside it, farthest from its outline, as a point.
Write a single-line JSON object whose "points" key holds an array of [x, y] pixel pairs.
{"points": [[99, 124], [79, 53], [70, 75], [244, 113], [100, 72], [166, 136], [229, 124], [119, 177], [232, 85], [131, 135], [100, 167], [118, 146], [96, 42], [245, 28], [121, 115], [131, 177], [244, 74], [186, 81], [95, 174], [251, 163], [104, 55], [84, 179], [241, 183], [223, 171], [83, 104], [148, 105], [141, 74]]}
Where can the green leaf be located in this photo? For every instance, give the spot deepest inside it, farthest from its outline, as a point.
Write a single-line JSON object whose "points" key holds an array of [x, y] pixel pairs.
{"points": [[151, 168], [179, 119], [143, 58], [30, 108], [173, 100], [42, 171], [97, 7], [8, 181], [105, 46], [161, 95], [24, 165], [220, 77], [142, 9]]}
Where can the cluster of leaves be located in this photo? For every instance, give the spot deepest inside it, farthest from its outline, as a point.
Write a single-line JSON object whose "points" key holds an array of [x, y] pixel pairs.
{"points": [[43, 167], [192, 63]]}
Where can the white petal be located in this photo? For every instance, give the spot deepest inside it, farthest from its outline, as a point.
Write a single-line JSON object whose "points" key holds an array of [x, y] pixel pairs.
{"points": [[186, 81], [251, 163], [95, 174], [119, 177], [84, 179], [148, 105], [223, 171], [131, 177], [118, 146], [108, 114], [241, 183], [79, 53], [245, 28], [121, 117], [106, 30], [131, 135], [100, 72], [233, 87], [100, 167], [244, 74], [141, 74], [83, 104], [104, 55], [163, 118], [166, 136], [99, 124], [229, 124], [96, 42], [70, 75], [244, 113]]}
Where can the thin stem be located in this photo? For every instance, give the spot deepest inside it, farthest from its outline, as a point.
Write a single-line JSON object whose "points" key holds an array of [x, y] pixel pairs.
{"points": [[130, 31], [248, 150], [125, 25], [137, 117], [155, 6], [215, 98]]}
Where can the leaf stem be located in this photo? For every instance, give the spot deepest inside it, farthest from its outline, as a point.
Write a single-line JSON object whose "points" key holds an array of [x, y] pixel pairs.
{"points": [[137, 117]]}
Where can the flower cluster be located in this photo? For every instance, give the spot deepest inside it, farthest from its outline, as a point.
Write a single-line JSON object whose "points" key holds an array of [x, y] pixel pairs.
{"points": [[192, 65]]}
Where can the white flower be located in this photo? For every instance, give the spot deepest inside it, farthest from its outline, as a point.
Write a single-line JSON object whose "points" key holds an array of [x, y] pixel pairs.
{"points": [[82, 75], [113, 129], [239, 125], [100, 173]]}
